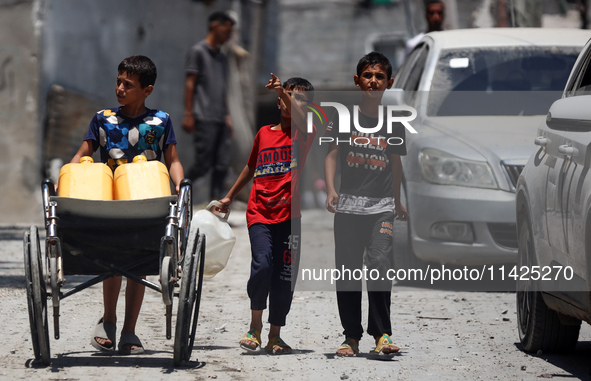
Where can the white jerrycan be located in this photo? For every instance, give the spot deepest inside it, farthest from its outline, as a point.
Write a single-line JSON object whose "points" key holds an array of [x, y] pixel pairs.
{"points": [[219, 238]]}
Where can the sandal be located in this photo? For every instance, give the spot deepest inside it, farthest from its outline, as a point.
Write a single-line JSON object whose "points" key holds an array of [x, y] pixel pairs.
{"points": [[252, 336], [384, 347], [127, 341], [349, 344], [278, 346], [105, 331]]}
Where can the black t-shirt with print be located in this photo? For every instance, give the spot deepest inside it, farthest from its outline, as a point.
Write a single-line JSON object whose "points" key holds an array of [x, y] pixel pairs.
{"points": [[366, 172]]}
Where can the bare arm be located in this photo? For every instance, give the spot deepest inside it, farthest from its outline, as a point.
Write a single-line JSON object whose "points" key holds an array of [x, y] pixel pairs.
{"points": [[85, 149], [330, 168], [188, 123], [175, 168], [401, 213], [245, 176]]}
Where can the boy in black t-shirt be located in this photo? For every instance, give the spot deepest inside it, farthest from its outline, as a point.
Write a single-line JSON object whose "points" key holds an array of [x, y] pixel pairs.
{"points": [[365, 207]]}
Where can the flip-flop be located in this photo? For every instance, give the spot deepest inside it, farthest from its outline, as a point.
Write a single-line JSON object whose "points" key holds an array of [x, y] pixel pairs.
{"points": [[277, 346], [385, 347], [253, 336], [104, 330], [130, 339], [349, 343]]}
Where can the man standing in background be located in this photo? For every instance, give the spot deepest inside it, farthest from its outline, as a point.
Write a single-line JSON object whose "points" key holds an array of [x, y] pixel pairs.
{"points": [[206, 110], [434, 14]]}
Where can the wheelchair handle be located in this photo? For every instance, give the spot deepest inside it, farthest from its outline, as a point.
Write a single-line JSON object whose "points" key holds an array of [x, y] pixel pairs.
{"points": [[47, 187], [185, 182]]}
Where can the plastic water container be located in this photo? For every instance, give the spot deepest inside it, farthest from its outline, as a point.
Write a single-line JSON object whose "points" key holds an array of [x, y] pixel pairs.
{"points": [[141, 179], [86, 180], [219, 238]]}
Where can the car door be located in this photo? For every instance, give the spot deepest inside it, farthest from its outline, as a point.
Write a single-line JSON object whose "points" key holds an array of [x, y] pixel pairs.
{"points": [[568, 190], [560, 170], [567, 140], [559, 161]]}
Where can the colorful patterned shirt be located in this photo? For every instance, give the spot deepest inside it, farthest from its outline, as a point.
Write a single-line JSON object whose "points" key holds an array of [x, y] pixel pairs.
{"points": [[121, 138]]}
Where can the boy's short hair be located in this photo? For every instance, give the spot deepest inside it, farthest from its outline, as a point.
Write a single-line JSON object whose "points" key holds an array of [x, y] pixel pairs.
{"points": [[221, 17], [429, 2], [300, 84], [372, 59], [141, 66]]}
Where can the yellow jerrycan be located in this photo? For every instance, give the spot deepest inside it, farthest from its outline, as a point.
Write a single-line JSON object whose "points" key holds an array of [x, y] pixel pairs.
{"points": [[141, 179], [86, 180]]}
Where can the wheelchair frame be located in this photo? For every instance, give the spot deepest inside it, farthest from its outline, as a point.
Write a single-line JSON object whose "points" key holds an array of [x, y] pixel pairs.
{"points": [[181, 259]]}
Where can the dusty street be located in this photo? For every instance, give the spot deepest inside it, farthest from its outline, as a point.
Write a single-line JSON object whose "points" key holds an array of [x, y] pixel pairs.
{"points": [[444, 334]]}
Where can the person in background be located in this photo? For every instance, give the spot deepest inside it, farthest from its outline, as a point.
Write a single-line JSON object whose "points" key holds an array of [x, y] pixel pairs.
{"points": [[206, 111], [434, 14]]}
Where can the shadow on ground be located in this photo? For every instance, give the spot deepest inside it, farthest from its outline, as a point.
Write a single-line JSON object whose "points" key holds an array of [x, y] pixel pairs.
{"points": [[575, 364]]}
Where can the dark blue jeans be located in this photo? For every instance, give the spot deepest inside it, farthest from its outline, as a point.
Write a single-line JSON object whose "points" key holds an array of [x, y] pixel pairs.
{"points": [[274, 267]]}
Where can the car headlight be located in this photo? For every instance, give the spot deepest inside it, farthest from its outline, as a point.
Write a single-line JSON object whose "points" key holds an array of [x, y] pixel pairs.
{"points": [[440, 167]]}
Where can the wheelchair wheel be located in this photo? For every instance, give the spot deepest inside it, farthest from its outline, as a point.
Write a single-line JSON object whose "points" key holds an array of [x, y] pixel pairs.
{"points": [[55, 295], [201, 263], [167, 281], [36, 296], [189, 298], [30, 303], [185, 213], [167, 272]]}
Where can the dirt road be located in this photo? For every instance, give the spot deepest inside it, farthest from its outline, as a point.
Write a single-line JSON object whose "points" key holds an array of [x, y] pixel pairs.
{"points": [[444, 334]]}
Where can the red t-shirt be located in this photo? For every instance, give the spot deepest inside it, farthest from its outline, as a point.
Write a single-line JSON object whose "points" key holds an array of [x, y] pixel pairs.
{"points": [[278, 159]]}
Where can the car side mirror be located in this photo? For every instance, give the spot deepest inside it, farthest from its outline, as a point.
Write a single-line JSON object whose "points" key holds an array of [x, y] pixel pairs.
{"points": [[394, 97], [570, 114]]}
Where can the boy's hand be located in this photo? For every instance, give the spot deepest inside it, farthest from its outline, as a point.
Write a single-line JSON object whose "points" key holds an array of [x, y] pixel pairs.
{"points": [[401, 212], [275, 84], [226, 202], [332, 199]]}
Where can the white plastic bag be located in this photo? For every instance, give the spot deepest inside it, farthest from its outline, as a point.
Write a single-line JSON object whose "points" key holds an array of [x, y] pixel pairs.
{"points": [[219, 238]]}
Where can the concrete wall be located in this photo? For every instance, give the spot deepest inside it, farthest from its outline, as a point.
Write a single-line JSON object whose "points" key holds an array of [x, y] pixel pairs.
{"points": [[323, 40], [19, 82]]}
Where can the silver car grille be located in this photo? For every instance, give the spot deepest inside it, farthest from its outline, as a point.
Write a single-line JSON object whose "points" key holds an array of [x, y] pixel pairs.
{"points": [[512, 171]]}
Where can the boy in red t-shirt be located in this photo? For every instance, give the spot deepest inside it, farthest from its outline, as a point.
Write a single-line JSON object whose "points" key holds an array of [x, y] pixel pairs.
{"points": [[273, 213]]}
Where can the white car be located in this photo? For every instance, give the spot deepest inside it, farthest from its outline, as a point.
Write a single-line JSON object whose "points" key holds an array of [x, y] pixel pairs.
{"points": [[479, 95], [554, 221]]}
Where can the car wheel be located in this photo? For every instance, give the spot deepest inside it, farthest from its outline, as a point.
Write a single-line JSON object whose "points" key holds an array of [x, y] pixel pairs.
{"points": [[539, 327], [403, 255]]}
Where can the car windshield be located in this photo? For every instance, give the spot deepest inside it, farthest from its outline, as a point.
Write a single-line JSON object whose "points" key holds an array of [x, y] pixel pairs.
{"points": [[492, 81]]}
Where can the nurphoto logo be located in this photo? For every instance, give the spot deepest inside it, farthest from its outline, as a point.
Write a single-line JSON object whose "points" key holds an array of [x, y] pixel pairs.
{"points": [[393, 114]]}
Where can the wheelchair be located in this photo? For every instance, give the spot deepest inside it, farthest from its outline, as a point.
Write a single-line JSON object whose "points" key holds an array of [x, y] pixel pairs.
{"points": [[108, 238]]}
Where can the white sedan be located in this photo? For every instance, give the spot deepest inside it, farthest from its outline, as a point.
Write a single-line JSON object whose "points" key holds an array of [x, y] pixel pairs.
{"points": [[479, 95]]}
